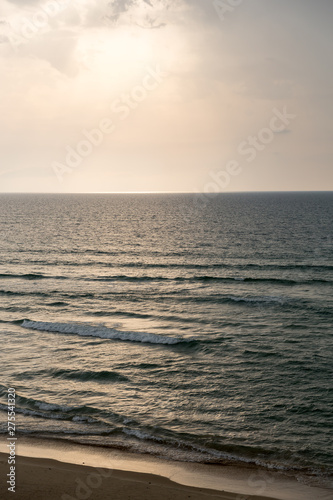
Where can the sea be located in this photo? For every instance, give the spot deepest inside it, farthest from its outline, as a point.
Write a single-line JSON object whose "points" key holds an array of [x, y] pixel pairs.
{"points": [[195, 328]]}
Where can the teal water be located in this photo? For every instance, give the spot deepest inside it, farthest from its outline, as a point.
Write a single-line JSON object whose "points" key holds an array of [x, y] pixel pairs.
{"points": [[196, 330]]}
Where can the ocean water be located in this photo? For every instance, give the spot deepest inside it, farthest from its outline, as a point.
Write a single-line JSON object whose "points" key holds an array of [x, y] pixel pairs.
{"points": [[192, 329]]}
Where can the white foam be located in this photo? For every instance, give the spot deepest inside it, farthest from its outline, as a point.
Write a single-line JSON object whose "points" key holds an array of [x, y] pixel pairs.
{"points": [[102, 332], [140, 435], [79, 418], [53, 407]]}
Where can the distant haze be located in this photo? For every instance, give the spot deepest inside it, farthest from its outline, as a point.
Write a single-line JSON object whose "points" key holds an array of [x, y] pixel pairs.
{"points": [[166, 95]]}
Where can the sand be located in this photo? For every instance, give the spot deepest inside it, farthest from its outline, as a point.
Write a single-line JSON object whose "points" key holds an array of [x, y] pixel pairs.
{"points": [[42, 479], [90, 473]]}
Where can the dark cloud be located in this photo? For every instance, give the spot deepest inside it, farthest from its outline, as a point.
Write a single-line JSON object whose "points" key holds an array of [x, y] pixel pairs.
{"points": [[119, 8]]}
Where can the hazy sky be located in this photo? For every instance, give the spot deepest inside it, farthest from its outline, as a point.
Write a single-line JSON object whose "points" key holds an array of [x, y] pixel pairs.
{"points": [[166, 95]]}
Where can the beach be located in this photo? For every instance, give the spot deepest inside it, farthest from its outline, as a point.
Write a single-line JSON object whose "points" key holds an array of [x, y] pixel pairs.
{"points": [[166, 250], [50, 479], [199, 352], [56, 470]]}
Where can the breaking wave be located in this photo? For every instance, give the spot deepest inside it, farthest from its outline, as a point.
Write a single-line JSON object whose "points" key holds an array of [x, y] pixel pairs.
{"points": [[102, 332]]}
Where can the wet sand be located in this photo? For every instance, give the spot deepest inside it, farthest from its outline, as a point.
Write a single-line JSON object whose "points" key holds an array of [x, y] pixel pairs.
{"points": [[52, 470]]}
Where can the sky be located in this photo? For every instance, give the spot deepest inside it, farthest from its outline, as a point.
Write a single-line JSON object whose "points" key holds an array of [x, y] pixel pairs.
{"points": [[166, 95]]}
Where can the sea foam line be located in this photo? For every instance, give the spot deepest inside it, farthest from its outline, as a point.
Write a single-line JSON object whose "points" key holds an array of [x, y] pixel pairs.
{"points": [[102, 332]]}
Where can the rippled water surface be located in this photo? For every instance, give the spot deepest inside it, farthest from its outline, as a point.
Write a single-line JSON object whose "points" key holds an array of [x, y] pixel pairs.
{"points": [[194, 329]]}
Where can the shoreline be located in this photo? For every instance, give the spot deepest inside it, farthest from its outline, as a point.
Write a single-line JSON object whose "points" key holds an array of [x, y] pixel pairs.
{"points": [[43, 464], [54, 479]]}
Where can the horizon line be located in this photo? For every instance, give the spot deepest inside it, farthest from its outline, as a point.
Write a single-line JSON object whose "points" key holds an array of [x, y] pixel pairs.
{"points": [[167, 192]]}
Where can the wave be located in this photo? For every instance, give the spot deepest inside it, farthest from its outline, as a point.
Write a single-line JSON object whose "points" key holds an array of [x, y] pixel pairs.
{"points": [[199, 451], [124, 277], [89, 375], [164, 255], [183, 279], [246, 299], [9, 322], [23, 276], [258, 300], [49, 411], [223, 265], [80, 375], [30, 276], [207, 278], [175, 446], [10, 292], [280, 266], [86, 330], [57, 304], [280, 281], [111, 430], [214, 264], [162, 317], [30, 407]]}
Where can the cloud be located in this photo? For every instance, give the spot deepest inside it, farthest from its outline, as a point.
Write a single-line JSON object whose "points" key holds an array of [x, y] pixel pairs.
{"points": [[119, 7], [224, 80], [148, 14]]}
